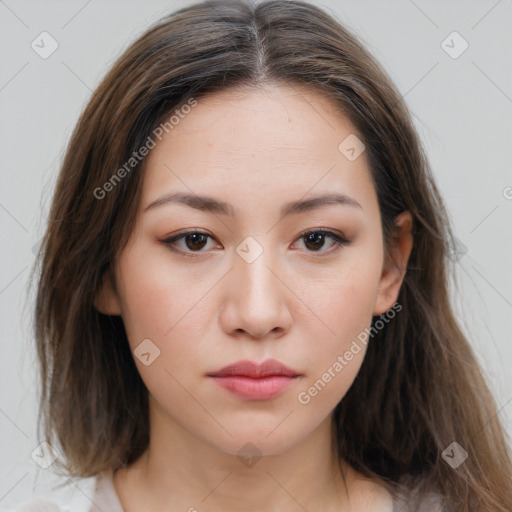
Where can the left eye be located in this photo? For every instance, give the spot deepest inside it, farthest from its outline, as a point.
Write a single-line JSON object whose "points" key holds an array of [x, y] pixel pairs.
{"points": [[316, 240], [195, 241]]}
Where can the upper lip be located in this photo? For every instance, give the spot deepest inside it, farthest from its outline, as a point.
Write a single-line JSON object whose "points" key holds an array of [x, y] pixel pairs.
{"points": [[246, 368]]}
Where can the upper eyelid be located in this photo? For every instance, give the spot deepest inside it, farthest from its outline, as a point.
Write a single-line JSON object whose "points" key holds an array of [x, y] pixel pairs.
{"points": [[301, 234], [323, 230]]}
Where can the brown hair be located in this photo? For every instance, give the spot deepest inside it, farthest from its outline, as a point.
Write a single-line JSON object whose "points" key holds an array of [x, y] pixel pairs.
{"points": [[419, 388]]}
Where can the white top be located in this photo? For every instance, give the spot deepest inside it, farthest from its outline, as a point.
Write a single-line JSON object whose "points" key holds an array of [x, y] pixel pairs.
{"points": [[92, 495], [101, 496]]}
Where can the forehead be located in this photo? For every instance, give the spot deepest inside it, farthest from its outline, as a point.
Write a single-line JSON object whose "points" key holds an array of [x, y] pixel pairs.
{"points": [[277, 118], [280, 137]]}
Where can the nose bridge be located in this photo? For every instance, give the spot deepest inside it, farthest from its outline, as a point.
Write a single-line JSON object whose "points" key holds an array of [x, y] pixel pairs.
{"points": [[251, 267], [257, 296]]}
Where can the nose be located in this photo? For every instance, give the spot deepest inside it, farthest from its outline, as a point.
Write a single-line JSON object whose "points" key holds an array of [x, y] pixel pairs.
{"points": [[256, 300]]}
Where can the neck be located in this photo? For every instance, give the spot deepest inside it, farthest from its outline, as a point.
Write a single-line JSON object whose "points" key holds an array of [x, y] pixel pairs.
{"points": [[180, 472]]}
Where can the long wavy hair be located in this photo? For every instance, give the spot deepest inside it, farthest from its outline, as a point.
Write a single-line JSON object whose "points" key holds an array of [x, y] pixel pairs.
{"points": [[419, 388]]}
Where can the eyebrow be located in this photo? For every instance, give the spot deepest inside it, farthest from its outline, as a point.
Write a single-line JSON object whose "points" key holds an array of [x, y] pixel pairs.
{"points": [[210, 204]]}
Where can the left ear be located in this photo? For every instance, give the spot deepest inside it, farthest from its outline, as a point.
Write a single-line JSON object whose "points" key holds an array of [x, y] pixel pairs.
{"points": [[395, 263]]}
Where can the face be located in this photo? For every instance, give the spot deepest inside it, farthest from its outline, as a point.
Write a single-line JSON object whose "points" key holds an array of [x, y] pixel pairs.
{"points": [[260, 271]]}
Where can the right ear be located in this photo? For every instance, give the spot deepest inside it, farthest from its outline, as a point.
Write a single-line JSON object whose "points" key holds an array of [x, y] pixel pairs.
{"points": [[106, 300]]}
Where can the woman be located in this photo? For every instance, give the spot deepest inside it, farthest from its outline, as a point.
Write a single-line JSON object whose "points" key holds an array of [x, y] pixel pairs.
{"points": [[242, 301]]}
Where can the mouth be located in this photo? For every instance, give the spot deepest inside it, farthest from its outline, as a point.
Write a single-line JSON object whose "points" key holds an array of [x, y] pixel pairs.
{"points": [[252, 381]]}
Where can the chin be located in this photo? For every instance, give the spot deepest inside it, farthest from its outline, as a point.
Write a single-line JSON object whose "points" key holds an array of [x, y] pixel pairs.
{"points": [[257, 442]]}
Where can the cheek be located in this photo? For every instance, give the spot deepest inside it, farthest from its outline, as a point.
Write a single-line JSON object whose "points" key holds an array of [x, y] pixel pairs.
{"points": [[161, 306], [154, 297], [169, 306], [344, 303]]}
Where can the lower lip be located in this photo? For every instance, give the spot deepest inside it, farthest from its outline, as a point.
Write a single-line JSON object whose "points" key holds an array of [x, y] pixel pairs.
{"points": [[255, 389]]}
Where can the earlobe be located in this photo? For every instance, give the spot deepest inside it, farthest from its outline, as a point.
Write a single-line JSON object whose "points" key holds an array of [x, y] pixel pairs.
{"points": [[106, 300], [395, 263]]}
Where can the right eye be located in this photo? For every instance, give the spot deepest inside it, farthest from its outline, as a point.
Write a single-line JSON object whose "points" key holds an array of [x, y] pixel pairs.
{"points": [[194, 242]]}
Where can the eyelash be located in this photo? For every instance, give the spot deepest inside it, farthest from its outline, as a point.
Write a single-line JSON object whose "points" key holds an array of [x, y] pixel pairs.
{"points": [[339, 240]]}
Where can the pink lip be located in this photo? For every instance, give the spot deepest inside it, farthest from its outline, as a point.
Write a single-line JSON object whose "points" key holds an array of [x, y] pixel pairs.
{"points": [[254, 381]]}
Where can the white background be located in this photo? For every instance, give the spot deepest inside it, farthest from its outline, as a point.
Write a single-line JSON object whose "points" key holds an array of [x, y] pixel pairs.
{"points": [[462, 109]]}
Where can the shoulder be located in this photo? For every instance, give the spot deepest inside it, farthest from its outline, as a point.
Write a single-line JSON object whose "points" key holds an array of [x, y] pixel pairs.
{"points": [[416, 501], [373, 494], [37, 505], [84, 495], [367, 494]]}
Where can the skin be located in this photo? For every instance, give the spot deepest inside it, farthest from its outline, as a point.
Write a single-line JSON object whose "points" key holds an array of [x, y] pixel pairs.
{"points": [[298, 302]]}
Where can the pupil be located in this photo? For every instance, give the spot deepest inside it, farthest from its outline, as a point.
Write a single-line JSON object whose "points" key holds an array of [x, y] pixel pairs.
{"points": [[315, 238], [197, 238]]}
